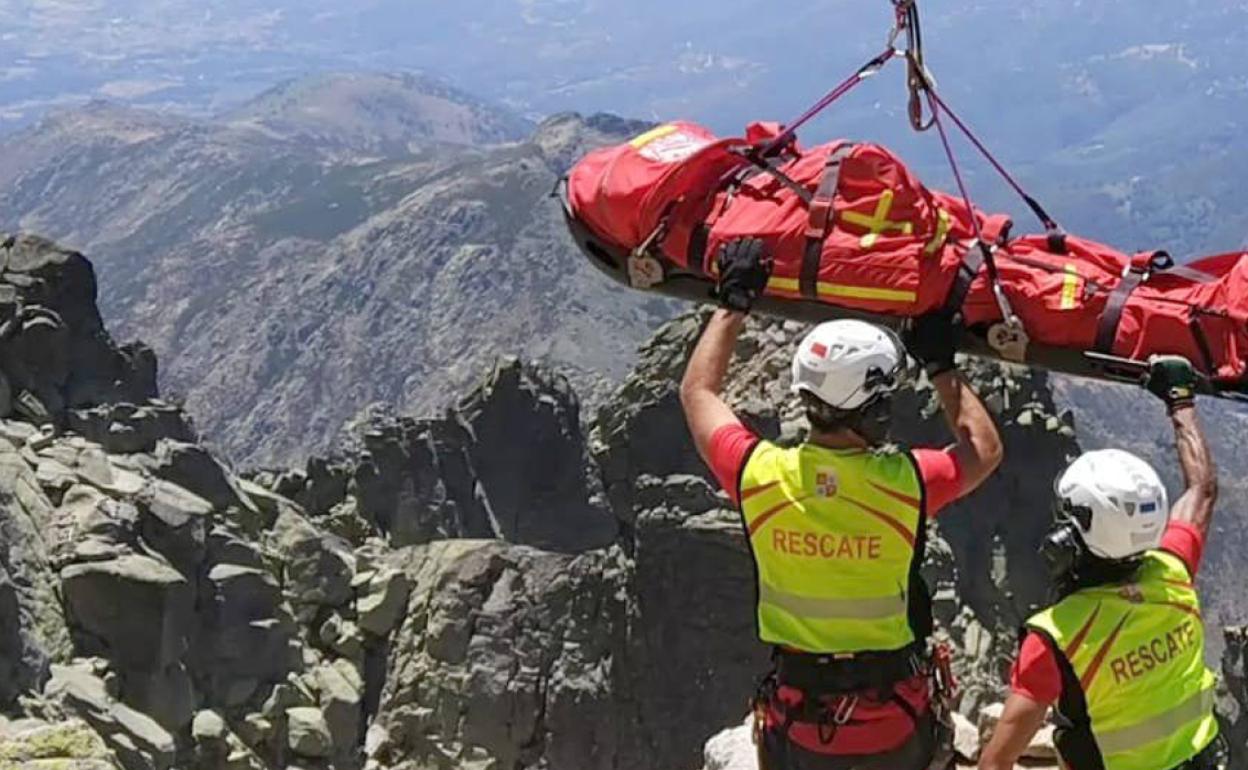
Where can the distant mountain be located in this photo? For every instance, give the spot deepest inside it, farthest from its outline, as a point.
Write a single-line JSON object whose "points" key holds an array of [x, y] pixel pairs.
{"points": [[1125, 115], [288, 283], [370, 112]]}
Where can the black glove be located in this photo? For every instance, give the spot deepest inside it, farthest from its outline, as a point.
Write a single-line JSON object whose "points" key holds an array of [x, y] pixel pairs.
{"points": [[744, 267], [932, 339], [1173, 380]]}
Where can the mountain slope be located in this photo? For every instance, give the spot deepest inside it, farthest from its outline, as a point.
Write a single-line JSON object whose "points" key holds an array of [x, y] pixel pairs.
{"points": [[286, 288], [374, 112]]}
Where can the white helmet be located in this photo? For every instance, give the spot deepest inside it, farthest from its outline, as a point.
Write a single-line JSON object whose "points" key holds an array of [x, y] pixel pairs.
{"points": [[1117, 501], [846, 364]]}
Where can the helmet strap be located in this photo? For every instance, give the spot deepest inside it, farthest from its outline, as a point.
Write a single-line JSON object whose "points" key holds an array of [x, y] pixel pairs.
{"points": [[1073, 567], [874, 421]]}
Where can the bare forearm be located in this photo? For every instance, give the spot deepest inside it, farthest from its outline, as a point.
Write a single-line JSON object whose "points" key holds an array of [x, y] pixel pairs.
{"points": [[705, 410], [1021, 720], [709, 363], [978, 442], [1200, 475]]}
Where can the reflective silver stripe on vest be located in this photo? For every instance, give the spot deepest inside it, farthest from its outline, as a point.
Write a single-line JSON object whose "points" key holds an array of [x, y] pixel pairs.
{"points": [[1156, 728], [827, 609]]}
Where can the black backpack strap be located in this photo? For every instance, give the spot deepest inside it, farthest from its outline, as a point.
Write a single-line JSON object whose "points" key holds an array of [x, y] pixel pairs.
{"points": [[822, 219], [1107, 327], [1202, 342], [972, 263]]}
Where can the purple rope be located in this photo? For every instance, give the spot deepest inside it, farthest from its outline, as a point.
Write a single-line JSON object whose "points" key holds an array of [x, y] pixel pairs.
{"points": [[848, 85], [936, 101], [957, 172]]}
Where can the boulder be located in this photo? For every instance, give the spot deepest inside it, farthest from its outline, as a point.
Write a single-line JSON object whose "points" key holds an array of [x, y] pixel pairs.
{"points": [[965, 738], [139, 742], [68, 745], [135, 610], [209, 727], [127, 428], [33, 631], [383, 601], [245, 630], [174, 506], [191, 467], [307, 733], [538, 489], [340, 694], [319, 567], [733, 749]]}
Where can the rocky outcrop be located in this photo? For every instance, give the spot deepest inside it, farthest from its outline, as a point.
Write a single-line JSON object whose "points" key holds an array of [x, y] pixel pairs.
{"points": [[508, 462]]}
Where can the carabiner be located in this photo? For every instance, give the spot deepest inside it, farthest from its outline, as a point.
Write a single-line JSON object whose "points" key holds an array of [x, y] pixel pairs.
{"points": [[845, 710]]}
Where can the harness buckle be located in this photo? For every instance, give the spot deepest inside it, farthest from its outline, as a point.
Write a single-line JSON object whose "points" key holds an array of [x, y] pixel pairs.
{"points": [[844, 710], [644, 271], [1009, 339]]}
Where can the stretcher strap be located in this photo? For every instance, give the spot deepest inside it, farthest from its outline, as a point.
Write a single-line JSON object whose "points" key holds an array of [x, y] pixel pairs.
{"points": [[696, 256], [771, 166], [980, 245], [822, 216], [1107, 327], [1202, 342], [968, 270]]}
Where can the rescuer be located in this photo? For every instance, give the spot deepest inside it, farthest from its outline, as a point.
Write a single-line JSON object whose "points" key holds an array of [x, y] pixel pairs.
{"points": [[837, 528], [1121, 652]]}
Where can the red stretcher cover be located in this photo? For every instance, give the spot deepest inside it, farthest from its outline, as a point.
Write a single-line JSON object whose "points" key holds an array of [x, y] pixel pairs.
{"points": [[885, 244]]}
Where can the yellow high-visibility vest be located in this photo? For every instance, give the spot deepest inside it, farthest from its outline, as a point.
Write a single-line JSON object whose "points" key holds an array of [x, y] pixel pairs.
{"points": [[836, 537], [1136, 688]]}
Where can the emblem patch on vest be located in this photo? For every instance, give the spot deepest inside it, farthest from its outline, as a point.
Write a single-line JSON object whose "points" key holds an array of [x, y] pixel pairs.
{"points": [[825, 483]]}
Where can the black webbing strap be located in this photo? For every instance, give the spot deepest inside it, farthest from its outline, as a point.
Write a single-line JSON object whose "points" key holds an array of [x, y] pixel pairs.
{"points": [[972, 263], [822, 218], [696, 256], [771, 166], [1107, 326], [1202, 342]]}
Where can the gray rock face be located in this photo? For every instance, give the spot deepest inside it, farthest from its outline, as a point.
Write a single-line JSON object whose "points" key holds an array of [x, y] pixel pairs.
{"points": [[507, 653], [509, 462], [55, 353], [134, 609], [33, 632]]}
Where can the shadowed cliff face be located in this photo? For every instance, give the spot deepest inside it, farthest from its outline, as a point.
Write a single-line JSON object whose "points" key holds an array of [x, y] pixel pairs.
{"points": [[497, 586]]}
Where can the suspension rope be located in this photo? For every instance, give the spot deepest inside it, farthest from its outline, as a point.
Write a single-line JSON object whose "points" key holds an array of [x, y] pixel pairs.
{"points": [[990, 261], [863, 73], [922, 85], [1050, 225]]}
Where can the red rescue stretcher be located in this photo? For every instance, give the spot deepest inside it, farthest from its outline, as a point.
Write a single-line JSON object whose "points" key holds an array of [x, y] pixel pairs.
{"points": [[855, 234]]}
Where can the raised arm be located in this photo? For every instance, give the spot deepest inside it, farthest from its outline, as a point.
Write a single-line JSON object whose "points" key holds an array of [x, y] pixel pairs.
{"points": [[1174, 380], [1195, 506], [702, 386], [977, 442], [744, 268]]}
